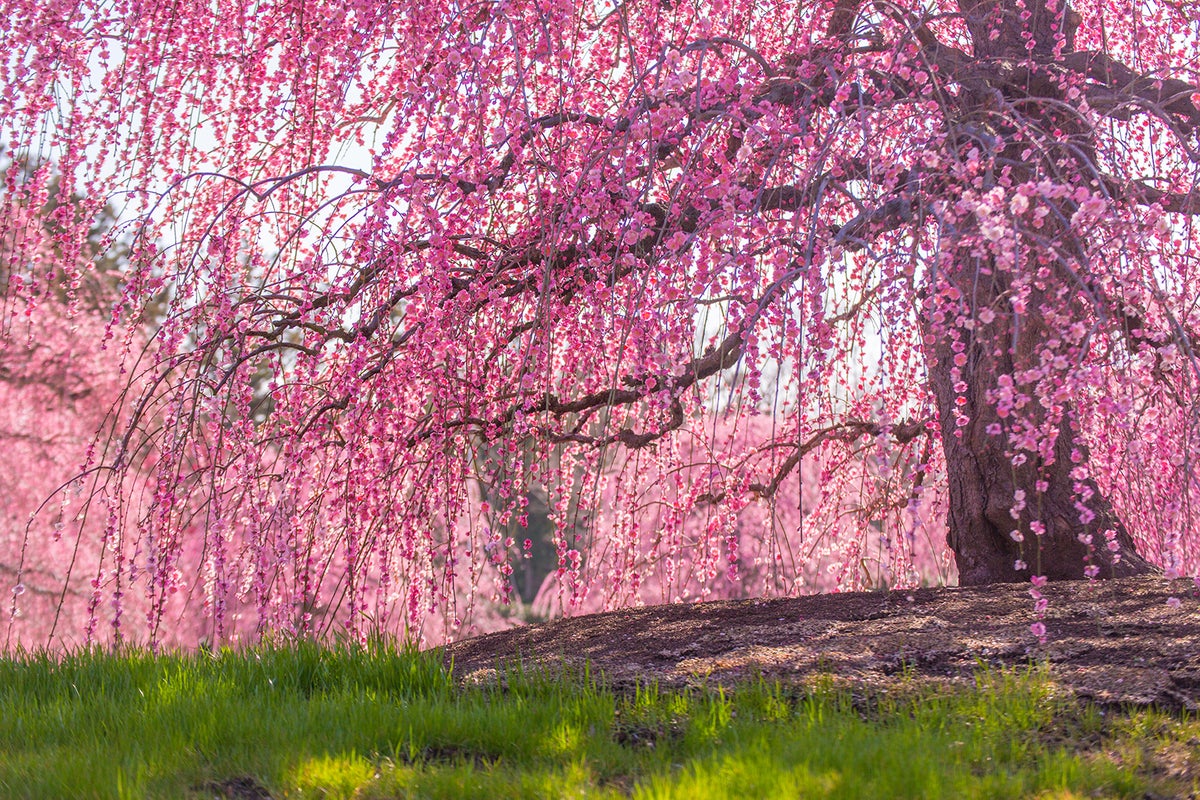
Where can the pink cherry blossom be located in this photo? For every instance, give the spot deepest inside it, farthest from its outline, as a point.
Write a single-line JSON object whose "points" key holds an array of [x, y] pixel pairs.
{"points": [[319, 318]]}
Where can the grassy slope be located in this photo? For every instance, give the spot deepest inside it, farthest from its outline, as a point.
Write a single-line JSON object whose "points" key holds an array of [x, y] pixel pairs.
{"points": [[313, 722]]}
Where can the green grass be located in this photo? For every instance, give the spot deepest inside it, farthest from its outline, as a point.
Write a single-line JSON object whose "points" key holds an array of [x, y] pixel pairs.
{"points": [[307, 721]]}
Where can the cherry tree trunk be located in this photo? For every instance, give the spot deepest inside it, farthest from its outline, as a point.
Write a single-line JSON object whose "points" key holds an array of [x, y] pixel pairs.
{"points": [[992, 537], [1022, 501]]}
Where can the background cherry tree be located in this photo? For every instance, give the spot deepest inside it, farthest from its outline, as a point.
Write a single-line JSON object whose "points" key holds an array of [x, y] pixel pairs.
{"points": [[730, 298]]}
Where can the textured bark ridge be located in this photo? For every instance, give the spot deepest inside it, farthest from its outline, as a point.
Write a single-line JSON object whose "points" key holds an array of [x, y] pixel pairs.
{"points": [[983, 481], [993, 539]]}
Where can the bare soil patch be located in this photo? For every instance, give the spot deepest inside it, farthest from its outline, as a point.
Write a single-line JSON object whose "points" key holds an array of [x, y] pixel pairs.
{"points": [[1114, 642]]}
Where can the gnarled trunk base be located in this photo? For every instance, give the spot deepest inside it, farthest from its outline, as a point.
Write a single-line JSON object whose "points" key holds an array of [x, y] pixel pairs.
{"points": [[993, 538]]}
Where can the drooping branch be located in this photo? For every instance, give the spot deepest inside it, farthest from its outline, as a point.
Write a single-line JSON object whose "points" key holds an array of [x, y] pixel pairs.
{"points": [[521, 270], [846, 431]]}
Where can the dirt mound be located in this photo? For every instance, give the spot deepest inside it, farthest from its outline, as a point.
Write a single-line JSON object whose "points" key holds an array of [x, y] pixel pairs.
{"points": [[1117, 641]]}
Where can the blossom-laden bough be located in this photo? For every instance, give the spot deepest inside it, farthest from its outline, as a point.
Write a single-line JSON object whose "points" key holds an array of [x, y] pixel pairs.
{"points": [[751, 298]]}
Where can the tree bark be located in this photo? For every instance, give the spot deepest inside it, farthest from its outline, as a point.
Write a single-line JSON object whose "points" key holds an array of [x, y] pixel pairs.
{"points": [[1016, 512], [983, 481]]}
